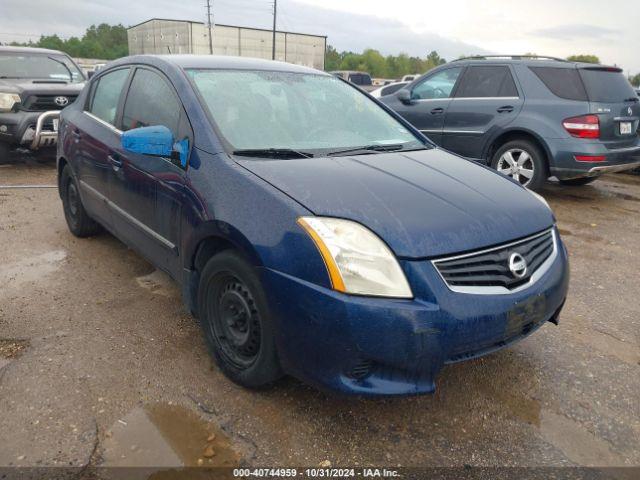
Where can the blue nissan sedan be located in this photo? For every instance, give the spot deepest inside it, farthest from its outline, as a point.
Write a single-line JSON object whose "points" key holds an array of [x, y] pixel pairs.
{"points": [[313, 231]]}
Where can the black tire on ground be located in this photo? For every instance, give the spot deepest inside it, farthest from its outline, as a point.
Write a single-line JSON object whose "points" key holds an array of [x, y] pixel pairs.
{"points": [[536, 160], [5, 154], [238, 327], [577, 182], [78, 221]]}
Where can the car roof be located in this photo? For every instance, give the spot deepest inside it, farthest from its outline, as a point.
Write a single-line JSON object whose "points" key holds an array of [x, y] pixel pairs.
{"points": [[216, 62], [529, 60], [42, 51]]}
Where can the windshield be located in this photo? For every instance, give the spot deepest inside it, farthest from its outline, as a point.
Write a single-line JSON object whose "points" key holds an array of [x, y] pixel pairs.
{"points": [[606, 86], [39, 66], [282, 110]]}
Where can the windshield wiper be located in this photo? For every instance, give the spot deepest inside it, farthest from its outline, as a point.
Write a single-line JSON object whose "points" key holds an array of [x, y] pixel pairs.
{"points": [[632, 99], [391, 147], [273, 153], [65, 66]]}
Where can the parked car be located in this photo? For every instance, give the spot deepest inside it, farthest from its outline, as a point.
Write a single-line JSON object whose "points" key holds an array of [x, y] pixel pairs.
{"points": [[410, 78], [35, 84], [361, 79], [313, 231], [388, 89], [529, 118]]}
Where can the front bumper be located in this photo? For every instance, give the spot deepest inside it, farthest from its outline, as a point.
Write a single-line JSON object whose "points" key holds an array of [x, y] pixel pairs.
{"points": [[376, 346], [32, 130], [565, 166]]}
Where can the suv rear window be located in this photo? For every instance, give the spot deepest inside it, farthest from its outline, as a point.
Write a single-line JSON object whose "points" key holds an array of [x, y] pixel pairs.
{"points": [[487, 81], [563, 82], [360, 79], [606, 86]]}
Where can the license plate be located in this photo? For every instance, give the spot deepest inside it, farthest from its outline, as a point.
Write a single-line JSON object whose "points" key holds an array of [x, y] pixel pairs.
{"points": [[55, 124], [625, 128]]}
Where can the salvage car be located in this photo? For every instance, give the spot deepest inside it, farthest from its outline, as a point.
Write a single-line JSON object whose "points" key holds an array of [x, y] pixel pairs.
{"points": [[313, 231], [35, 84], [529, 117]]}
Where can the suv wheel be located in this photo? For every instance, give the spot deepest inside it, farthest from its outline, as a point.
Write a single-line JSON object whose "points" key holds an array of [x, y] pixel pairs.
{"points": [[236, 321], [78, 220], [523, 161], [577, 182]]}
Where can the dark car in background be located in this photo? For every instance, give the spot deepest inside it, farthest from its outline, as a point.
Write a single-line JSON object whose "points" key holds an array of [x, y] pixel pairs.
{"points": [[35, 84], [313, 232], [360, 79], [528, 117]]}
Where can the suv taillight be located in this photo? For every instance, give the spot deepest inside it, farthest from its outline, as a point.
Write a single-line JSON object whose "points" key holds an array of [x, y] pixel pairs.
{"points": [[584, 126]]}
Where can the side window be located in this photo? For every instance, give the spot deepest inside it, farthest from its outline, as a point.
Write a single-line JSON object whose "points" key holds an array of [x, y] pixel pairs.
{"points": [[439, 85], [563, 82], [151, 101], [106, 95], [487, 81]]}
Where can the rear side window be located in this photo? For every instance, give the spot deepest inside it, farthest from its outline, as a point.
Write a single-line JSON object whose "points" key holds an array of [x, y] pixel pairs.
{"points": [[487, 81], [562, 82], [360, 79], [606, 86], [151, 101], [106, 95]]}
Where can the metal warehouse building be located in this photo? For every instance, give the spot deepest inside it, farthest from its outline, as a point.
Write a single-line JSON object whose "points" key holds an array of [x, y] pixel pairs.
{"points": [[158, 36]]}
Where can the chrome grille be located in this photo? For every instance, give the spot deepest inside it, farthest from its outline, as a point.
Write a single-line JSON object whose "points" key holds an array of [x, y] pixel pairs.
{"points": [[488, 271]]}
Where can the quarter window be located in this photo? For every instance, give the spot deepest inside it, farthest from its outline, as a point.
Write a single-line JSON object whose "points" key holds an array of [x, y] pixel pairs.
{"points": [[151, 101], [439, 85], [487, 81], [562, 82], [106, 96]]}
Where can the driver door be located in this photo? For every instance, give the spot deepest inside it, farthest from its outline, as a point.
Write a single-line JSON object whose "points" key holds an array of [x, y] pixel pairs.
{"points": [[148, 191], [430, 99]]}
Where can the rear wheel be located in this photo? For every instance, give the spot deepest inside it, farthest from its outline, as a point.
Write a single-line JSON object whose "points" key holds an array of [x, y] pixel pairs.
{"points": [[78, 220], [577, 182], [523, 161], [236, 321]]}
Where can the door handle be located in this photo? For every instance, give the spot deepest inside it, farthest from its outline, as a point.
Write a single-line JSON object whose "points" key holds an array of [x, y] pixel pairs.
{"points": [[505, 109], [76, 134], [115, 162], [437, 111]]}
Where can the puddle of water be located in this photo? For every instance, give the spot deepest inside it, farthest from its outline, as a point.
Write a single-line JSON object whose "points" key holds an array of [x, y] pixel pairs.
{"points": [[158, 283], [31, 269], [167, 436], [578, 445]]}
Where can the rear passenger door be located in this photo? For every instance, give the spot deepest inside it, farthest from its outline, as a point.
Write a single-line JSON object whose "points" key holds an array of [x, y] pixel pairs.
{"points": [[97, 138], [486, 101], [148, 191]]}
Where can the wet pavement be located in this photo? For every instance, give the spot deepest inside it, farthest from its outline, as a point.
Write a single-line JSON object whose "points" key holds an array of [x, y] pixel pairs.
{"points": [[101, 365]]}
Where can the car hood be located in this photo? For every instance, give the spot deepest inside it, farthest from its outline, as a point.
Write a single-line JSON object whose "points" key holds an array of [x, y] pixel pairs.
{"points": [[39, 87], [425, 203]]}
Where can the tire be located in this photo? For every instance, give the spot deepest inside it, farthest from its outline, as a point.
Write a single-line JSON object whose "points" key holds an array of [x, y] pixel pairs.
{"points": [[509, 160], [577, 182], [78, 220], [5, 154], [237, 325]]}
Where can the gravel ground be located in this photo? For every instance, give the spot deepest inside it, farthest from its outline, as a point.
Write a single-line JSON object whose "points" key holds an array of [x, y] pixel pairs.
{"points": [[101, 365]]}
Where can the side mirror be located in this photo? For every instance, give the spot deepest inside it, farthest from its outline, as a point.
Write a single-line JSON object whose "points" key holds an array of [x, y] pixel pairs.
{"points": [[404, 95], [157, 141]]}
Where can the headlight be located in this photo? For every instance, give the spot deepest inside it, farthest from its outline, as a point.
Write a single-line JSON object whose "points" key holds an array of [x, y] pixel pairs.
{"points": [[357, 260], [540, 198], [8, 100]]}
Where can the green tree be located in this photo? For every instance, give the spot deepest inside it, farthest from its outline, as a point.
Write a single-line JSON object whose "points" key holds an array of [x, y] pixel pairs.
{"points": [[584, 58], [635, 80], [104, 41]]}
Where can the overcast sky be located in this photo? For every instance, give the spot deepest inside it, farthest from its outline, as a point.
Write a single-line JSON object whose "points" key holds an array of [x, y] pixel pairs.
{"points": [[608, 29]]}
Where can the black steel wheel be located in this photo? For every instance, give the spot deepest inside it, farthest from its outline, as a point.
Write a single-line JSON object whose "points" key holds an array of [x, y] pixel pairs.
{"points": [[78, 220], [237, 324]]}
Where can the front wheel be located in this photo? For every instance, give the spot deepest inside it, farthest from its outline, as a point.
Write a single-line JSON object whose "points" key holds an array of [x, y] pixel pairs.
{"points": [[236, 321], [577, 182], [523, 161]]}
